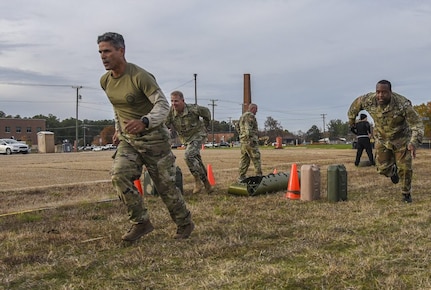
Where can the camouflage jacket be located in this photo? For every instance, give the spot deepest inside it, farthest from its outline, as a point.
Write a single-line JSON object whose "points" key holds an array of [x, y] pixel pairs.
{"points": [[395, 124], [248, 127], [191, 124]]}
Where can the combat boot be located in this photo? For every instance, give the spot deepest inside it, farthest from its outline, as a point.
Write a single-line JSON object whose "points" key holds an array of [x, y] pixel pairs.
{"points": [[137, 231], [407, 197], [209, 189], [183, 232], [198, 184], [395, 178]]}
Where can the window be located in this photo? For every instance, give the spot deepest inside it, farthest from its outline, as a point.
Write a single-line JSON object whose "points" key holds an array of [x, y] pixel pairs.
{"points": [[28, 129], [38, 129], [7, 129], [18, 129]]}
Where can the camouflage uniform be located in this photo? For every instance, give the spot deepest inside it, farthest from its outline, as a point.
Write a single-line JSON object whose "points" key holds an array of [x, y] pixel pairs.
{"points": [[133, 95], [396, 125], [192, 132], [249, 144]]}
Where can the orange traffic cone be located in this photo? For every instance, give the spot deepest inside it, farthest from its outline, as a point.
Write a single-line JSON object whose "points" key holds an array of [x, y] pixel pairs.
{"points": [[210, 174], [138, 186], [293, 189], [203, 146], [275, 171]]}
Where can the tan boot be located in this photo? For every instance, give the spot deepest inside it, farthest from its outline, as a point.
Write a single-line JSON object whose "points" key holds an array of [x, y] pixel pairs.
{"points": [[183, 232], [198, 184], [137, 231], [209, 189]]}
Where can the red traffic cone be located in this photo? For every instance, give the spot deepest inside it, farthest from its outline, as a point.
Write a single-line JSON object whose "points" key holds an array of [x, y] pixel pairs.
{"points": [[138, 186], [210, 175], [293, 189]]}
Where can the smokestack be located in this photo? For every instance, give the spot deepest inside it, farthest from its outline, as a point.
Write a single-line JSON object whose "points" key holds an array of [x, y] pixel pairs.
{"points": [[247, 93]]}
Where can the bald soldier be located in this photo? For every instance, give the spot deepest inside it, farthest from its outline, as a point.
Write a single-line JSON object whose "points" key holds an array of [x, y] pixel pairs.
{"points": [[248, 137], [398, 131]]}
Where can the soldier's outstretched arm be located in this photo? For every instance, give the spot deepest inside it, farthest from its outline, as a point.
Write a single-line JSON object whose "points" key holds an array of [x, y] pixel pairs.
{"points": [[353, 111]]}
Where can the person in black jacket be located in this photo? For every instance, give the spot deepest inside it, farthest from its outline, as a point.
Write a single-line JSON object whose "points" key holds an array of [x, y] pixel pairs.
{"points": [[362, 130]]}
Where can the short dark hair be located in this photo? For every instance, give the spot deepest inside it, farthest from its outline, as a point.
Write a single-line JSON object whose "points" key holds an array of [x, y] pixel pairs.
{"points": [[114, 38], [385, 82], [178, 93]]}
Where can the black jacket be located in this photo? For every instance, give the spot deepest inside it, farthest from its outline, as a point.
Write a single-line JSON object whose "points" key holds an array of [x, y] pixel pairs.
{"points": [[362, 128]]}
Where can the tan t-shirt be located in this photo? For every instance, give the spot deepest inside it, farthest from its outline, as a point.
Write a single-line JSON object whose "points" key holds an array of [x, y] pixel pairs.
{"points": [[133, 95]]}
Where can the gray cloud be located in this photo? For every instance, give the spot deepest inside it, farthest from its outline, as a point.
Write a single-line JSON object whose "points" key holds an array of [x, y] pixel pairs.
{"points": [[306, 58]]}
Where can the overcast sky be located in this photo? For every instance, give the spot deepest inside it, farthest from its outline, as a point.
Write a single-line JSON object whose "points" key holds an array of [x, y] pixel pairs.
{"points": [[308, 59]]}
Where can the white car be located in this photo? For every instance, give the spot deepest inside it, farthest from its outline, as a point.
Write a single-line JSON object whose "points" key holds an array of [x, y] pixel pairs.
{"points": [[109, 147], [9, 146], [210, 145]]}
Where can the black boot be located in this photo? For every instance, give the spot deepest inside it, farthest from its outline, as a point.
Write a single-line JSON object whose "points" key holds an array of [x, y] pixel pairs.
{"points": [[407, 197], [395, 178]]}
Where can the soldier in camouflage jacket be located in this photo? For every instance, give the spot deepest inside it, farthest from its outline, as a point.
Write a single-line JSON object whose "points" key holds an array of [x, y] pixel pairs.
{"points": [[191, 123], [249, 142], [398, 131]]}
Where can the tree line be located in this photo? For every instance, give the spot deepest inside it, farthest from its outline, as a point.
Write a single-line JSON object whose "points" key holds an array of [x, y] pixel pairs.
{"points": [[100, 132]]}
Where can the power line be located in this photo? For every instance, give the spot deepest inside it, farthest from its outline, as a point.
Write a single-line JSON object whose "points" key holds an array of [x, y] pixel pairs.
{"points": [[16, 101], [182, 85], [33, 85], [43, 85]]}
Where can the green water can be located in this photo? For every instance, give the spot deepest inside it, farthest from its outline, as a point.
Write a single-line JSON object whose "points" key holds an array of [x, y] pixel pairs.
{"points": [[337, 183]]}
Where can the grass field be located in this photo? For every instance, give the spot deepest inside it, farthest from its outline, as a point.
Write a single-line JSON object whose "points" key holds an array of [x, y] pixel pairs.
{"points": [[61, 225]]}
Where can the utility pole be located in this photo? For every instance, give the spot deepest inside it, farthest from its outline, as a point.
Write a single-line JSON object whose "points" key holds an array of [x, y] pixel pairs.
{"points": [[230, 124], [84, 128], [78, 97], [196, 91], [323, 117], [212, 121]]}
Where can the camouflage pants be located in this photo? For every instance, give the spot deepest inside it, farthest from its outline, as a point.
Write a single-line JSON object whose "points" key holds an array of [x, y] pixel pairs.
{"points": [[249, 151], [387, 155], [193, 160], [131, 155]]}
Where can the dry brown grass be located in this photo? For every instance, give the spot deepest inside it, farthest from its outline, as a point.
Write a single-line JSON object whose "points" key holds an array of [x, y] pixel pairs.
{"points": [[372, 241]]}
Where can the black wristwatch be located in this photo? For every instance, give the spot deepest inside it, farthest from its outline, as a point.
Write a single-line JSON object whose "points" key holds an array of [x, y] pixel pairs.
{"points": [[145, 121]]}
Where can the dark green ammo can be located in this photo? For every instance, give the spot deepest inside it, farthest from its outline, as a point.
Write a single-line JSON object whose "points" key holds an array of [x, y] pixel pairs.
{"points": [[337, 183]]}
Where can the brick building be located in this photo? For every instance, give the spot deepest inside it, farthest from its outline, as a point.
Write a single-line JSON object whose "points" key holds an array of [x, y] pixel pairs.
{"points": [[218, 137], [22, 129]]}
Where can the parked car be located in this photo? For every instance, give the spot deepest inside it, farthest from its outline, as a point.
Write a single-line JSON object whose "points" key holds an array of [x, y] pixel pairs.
{"points": [[109, 147], [88, 148], [224, 144], [9, 146], [211, 145]]}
